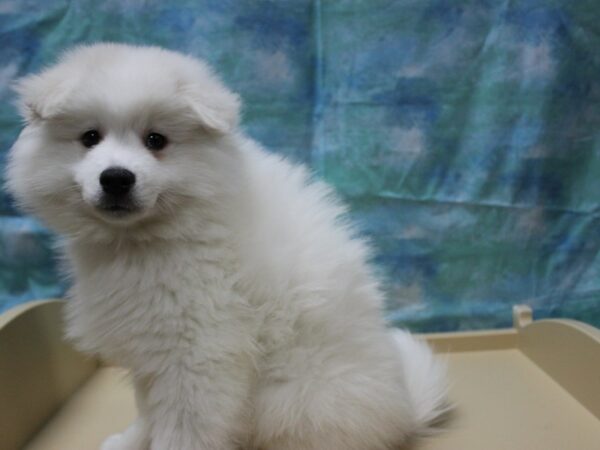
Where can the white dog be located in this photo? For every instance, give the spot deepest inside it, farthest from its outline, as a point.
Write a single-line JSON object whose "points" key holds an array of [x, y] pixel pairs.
{"points": [[222, 277]]}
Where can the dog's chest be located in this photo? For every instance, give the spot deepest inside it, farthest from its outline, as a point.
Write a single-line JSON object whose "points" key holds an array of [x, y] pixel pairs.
{"points": [[137, 308]]}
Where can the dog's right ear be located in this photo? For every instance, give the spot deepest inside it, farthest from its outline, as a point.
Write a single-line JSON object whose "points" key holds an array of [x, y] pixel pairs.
{"points": [[217, 110], [214, 107], [41, 96]]}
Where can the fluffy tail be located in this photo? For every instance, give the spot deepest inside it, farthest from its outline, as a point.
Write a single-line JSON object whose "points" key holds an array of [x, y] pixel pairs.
{"points": [[426, 381]]}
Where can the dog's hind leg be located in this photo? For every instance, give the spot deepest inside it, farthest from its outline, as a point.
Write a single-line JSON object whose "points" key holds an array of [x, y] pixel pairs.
{"points": [[336, 397]]}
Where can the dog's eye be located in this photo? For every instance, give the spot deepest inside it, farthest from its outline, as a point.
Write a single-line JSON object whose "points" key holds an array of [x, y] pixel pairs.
{"points": [[90, 138], [156, 141]]}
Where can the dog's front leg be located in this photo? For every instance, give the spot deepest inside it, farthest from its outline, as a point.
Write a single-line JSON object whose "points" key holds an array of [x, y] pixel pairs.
{"points": [[201, 406]]}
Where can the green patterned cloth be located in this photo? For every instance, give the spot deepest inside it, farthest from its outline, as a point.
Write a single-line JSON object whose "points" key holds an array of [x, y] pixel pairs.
{"points": [[463, 134]]}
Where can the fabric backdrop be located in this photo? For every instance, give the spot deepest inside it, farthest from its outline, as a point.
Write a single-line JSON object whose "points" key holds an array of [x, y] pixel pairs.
{"points": [[463, 134]]}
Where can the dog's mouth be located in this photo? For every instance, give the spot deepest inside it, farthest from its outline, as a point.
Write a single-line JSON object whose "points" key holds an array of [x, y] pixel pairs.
{"points": [[118, 208]]}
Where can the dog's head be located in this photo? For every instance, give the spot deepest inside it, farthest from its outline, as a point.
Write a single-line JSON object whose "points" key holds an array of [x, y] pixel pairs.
{"points": [[119, 136]]}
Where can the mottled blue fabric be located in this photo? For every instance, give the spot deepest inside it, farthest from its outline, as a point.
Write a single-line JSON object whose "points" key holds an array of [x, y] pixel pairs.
{"points": [[464, 135]]}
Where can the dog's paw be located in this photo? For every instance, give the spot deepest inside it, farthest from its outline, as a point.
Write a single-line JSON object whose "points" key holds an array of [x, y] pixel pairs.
{"points": [[114, 442], [133, 438], [122, 441]]}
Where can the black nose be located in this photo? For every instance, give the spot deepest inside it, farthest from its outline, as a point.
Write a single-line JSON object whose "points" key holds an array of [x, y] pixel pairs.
{"points": [[117, 181]]}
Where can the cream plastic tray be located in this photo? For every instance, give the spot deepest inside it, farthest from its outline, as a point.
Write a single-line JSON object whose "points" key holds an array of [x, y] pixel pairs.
{"points": [[533, 387]]}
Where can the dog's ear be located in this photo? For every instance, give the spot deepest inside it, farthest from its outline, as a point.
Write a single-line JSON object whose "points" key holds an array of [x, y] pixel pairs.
{"points": [[217, 110], [215, 107], [42, 96]]}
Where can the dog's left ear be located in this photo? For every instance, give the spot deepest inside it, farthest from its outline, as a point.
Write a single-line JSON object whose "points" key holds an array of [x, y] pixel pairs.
{"points": [[41, 96], [216, 108]]}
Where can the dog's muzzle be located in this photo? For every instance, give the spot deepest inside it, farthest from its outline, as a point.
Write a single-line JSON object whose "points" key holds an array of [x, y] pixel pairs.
{"points": [[117, 186]]}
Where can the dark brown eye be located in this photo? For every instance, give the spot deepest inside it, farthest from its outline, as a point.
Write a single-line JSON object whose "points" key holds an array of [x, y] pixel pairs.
{"points": [[155, 141], [90, 138]]}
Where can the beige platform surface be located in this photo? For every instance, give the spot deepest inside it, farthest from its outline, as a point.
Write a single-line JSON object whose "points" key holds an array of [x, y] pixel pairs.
{"points": [[504, 402], [533, 387]]}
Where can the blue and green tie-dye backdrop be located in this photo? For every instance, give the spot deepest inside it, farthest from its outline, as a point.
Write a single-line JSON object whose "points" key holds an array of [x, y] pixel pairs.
{"points": [[464, 134]]}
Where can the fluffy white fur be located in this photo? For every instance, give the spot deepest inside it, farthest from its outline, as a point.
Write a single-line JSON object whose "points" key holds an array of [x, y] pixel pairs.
{"points": [[235, 294]]}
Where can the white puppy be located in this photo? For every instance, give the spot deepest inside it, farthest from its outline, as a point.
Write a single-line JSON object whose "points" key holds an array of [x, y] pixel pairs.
{"points": [[222, 277]]}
